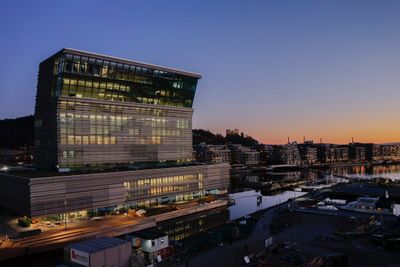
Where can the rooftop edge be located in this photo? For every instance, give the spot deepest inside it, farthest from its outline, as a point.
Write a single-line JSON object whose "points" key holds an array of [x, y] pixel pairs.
{"points": [[128, 61]]}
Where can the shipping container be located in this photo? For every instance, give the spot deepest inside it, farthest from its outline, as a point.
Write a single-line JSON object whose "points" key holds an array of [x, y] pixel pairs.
{"points": [[99, 252]]}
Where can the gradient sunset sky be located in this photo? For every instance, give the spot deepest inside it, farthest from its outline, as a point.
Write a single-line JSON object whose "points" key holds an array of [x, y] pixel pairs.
{"points": [[273, 69]]}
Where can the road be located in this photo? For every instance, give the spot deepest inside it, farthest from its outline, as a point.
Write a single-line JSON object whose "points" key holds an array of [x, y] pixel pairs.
{"points": [[115, 225]]}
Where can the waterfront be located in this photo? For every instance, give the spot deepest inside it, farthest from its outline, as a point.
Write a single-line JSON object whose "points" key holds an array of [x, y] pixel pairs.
{"points": [[246, 202], [190, 229], [369, 171], [206, 230]]}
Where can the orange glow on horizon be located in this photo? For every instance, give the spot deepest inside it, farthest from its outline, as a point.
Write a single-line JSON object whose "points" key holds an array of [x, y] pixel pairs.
{"points": [[361, 127], [340, 136], [377, 138], [279, 140]]}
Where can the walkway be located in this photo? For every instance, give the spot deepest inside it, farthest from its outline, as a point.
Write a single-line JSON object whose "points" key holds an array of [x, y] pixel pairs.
{"points": [[112, 226]]}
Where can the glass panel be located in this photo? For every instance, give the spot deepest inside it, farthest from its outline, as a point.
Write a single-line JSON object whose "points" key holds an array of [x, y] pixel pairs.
{"points": [[132, 83]]}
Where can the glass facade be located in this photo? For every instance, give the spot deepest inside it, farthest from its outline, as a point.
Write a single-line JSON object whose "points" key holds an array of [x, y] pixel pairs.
{"points": [[89, 77], [95, 111], [149, 188], [183, 227], [91, 134], [103, 114]]}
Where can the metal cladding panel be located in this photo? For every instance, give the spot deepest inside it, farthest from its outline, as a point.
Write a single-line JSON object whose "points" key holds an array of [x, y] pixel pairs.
{"points": [[125, 252], [45, 116], [14, 193], [74, 85], [96, 255], [218, 176], [58, 194], [126, 263], [113, 241], [97, 259], [78, 249], [110, 250], [93, 132], [124, 247], [111, 255], [103, 251]]}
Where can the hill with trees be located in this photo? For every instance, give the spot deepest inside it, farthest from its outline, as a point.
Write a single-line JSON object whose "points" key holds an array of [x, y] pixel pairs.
{"points": [[18, 132], [200, 135]]}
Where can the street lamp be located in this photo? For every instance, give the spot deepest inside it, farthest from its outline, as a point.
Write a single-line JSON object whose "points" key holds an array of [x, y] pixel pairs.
{"points": [[65, 214]]}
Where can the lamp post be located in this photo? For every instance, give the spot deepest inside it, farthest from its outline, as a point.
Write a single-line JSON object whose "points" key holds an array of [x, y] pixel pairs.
{"points": [[65, 214]]}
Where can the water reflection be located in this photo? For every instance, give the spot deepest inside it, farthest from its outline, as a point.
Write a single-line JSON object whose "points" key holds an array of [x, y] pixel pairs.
{"points": [[369, 171], [183, 227], [246, 202], [268, 183]]}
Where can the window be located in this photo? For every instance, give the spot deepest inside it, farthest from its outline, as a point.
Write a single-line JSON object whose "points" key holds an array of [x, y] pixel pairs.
{"points": [[75, 66], [83, 66], [92, 139], [78, 140], [97, 70], [68, 65], [141, 84], [113, 140], [99, 140], [71, 140], [85, 140]]}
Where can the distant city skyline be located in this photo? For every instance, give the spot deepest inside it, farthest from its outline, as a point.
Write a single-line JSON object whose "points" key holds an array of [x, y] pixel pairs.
{"points": [[273, 69]]}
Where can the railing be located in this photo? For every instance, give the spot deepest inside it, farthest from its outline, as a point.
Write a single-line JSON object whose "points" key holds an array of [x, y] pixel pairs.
{"points": [[138, 260]]}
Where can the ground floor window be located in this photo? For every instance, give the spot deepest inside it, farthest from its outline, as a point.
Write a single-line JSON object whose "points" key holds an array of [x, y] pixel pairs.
{"points": [[133, 205]]}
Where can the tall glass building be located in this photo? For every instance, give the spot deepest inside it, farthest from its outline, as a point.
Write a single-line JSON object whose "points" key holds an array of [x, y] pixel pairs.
{"points": [[96, 111], [110, 133]]}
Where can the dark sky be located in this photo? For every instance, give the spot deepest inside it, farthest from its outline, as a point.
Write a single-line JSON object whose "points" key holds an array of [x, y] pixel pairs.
{"points": [[273, 69]]}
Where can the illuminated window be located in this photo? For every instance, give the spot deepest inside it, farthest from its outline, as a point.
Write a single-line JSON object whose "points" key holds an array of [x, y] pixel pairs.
{"points": [[85, 140], [71, 140], [113, 140]]}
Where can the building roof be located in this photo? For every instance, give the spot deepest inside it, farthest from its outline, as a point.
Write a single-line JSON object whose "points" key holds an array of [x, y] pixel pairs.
{"points": [[98, 244], [33, 173], [127, 61], [149, 235]]}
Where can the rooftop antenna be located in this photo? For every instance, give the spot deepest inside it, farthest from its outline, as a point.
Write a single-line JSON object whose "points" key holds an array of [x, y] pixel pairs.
{"points": [[320, 140], [352, 140], [288, 140], [304, 139]]}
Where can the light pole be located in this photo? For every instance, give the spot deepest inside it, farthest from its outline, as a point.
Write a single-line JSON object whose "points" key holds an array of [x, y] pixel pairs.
{"points": [[65, 214]]}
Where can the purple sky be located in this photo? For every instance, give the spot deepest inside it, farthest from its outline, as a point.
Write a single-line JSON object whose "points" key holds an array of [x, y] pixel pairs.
{"points": [[273, 69]]}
